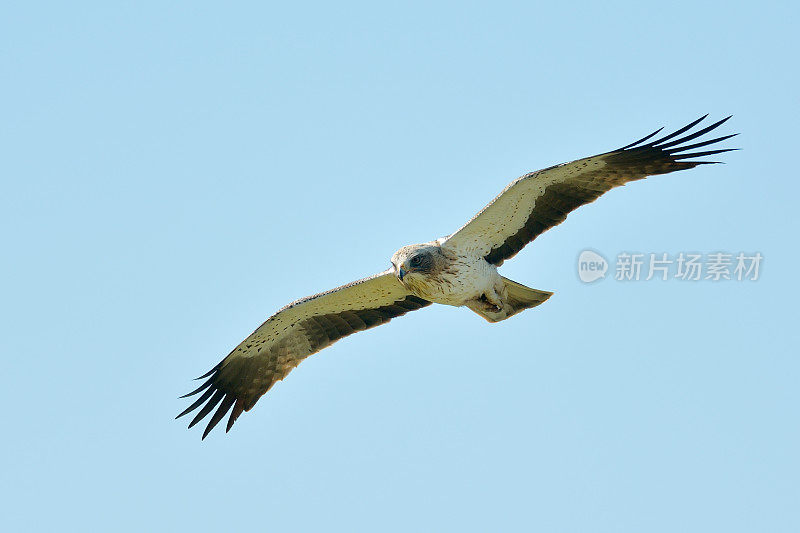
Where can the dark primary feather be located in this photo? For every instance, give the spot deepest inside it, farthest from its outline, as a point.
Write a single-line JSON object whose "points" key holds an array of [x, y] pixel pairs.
{"points": [[632, 162], [238, 383]]}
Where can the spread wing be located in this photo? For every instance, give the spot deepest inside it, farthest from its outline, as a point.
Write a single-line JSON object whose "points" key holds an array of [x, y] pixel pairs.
{"points": [[298, 330], [536, 202]]}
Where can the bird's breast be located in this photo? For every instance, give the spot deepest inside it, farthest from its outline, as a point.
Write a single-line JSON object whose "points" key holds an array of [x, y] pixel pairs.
{"points": [[462, 279]]}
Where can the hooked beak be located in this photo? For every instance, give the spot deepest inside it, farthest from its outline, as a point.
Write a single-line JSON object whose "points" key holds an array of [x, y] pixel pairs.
{"points": [[401, 273]]}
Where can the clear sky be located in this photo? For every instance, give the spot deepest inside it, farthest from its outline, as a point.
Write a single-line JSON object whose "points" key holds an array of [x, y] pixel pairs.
{"points": [[173, 173]]}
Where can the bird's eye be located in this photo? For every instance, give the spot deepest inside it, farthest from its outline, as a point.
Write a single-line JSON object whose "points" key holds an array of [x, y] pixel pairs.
{"points": [[415, 261]]}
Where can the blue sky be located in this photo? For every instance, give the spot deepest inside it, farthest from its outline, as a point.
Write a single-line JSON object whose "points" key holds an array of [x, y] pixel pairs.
{"points": [[173, 174]]}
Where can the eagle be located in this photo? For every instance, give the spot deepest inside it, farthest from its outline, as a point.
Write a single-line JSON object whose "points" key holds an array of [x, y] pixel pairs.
{"points": [[457, 270]]}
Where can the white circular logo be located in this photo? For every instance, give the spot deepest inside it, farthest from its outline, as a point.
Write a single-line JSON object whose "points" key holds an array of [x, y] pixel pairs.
{"points": [[591, 266]]}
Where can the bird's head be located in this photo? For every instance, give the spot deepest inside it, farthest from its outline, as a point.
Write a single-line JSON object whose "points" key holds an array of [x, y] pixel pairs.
{"points": [[414, 263]]}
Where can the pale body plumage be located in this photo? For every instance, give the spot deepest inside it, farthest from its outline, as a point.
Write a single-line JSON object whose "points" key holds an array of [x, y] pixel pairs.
{"points": [[459, 276], [458, 270]]}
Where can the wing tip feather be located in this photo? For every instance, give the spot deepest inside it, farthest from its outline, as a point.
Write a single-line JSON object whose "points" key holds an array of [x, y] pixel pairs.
{"points": [[669, 153]]}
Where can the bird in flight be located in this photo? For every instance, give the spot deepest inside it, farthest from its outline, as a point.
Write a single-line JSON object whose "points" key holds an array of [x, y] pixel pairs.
{"points": [[458, 270]]}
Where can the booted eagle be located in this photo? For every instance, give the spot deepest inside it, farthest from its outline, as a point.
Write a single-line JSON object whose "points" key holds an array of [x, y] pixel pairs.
{"points": [[458, 270]]}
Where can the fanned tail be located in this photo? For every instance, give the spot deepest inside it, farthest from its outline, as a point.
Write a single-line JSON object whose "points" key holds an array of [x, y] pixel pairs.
{"points": [[519, 297]]}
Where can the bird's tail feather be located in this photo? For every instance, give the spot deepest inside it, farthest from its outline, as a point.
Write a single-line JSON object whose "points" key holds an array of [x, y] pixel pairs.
{"points": [[519, 298]]}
